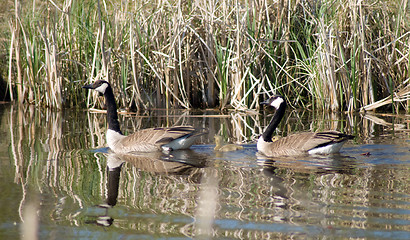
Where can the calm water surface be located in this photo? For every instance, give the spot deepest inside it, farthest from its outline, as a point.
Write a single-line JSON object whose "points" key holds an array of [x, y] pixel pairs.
{"points": [[58, 180]]}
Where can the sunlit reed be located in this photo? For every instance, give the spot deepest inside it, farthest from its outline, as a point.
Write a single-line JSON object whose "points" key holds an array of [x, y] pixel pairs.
{"points": [[328, 55]]}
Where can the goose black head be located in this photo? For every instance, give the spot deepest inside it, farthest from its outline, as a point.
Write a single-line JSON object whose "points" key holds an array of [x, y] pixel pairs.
{"points": [[275, 101], [99, 86]]}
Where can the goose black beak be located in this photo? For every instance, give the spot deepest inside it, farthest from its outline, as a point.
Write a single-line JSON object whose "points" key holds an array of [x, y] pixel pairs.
{"points": [[88, 86], [266, 102], [91, 86]]}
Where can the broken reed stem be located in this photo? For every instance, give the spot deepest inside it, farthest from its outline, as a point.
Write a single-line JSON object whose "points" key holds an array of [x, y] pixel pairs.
{"points": [[335, 56]]}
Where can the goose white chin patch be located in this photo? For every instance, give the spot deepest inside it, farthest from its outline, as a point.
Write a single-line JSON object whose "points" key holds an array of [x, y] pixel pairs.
{"points": [[102, 88], [277, 102]]}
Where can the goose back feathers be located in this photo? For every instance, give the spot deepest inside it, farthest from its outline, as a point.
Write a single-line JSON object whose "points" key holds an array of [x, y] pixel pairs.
{"points": [[153, 139]]}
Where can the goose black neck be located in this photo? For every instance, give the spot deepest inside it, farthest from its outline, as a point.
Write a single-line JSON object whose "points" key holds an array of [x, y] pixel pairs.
{"points": [[268, 133], [112, 116]]}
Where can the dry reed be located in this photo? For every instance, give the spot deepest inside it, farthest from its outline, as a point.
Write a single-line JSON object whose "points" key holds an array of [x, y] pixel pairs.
{"points": [[330, 55]]}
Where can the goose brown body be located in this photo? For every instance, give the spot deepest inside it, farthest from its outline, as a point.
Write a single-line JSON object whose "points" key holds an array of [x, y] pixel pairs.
{"points": [[153, 139], [326, 142], [302, 143]]}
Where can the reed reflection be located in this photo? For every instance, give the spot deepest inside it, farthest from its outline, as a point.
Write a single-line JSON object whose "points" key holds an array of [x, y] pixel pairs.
{"points": [[182, 162]]}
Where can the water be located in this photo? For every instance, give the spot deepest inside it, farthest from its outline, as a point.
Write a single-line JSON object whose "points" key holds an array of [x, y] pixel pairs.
{"points": [[57, 177]]}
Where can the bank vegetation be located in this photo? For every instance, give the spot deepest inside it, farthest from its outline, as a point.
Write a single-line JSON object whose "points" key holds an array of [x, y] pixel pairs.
{"points": [[338, 55]]}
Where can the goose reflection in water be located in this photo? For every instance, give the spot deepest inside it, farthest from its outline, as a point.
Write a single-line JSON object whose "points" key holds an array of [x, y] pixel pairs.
{"points": [[309, 164], [180, 162], [331, 163]]}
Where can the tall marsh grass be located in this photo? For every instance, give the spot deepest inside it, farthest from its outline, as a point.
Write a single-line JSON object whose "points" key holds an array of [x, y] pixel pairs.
{"points": [[331, 55]]}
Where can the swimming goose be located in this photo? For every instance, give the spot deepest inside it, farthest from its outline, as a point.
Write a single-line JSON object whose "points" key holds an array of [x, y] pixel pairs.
{"points": [[219, 146], [301, 143], [146, 140]]}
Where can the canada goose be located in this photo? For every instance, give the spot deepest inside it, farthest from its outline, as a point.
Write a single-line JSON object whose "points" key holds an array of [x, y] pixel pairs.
{"points": [[146, 140], [225, 148], [308, 142]]}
